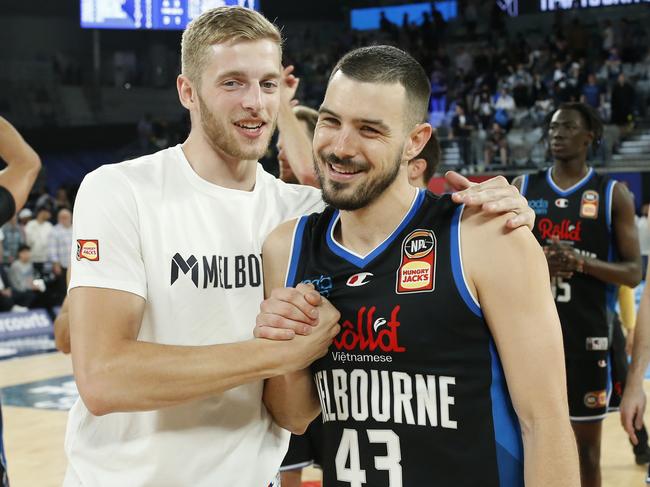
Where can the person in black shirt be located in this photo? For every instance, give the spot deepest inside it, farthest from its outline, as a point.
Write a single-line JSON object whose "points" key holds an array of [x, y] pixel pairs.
{"points": [[413, 388], [585, 222], [16, 181]]}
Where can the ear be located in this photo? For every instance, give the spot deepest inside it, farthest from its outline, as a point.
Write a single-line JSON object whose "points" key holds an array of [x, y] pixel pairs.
{"points": [[417, 139], [186, 92], [591, 137]]}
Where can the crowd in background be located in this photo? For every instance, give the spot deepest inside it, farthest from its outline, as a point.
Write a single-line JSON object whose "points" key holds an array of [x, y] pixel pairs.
{"points": [[35, 246], [492, 90]]}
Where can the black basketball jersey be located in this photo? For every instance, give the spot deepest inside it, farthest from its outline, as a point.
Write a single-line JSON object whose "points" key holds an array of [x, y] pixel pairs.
{"points": [[580, 216], [412, 389]]}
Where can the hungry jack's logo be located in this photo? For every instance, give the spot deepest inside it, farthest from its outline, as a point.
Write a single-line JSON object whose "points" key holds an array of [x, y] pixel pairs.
{"points": [[88, 249], [369, 333], [589, 204], [417, 271]]}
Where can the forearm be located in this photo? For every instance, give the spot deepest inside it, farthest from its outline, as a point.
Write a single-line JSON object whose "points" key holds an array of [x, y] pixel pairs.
{"points": [[141, 376], [297, 145], [621, 273], [641, 349], [292, 400], [550, 453]]}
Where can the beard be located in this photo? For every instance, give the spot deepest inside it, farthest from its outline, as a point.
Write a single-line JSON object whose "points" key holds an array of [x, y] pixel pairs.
{"points": [[334, 192], [221, 137]]}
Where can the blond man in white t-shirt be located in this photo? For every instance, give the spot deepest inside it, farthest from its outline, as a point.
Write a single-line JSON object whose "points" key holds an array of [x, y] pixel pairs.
{"points": [[166, 283]]}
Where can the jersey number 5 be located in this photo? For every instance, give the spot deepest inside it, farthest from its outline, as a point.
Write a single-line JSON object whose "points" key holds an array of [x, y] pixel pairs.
{"points": [[561, 290], [348, 452]]}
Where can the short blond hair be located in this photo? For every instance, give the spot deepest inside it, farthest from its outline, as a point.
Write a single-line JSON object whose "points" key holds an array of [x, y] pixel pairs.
{"points": [[218, 25]]}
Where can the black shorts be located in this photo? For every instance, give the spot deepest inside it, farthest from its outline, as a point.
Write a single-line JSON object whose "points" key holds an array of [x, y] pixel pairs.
{"points": [[588, 385], [306, 449]]}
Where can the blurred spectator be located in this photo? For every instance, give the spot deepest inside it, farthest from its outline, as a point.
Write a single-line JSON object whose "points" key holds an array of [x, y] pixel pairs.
{"points": [[37, 234], [24, 217], [462, 127], [623, 96], [608, 36], [145, 132], [61, 200], [504, 106], [60, 245], [643, 227], [6, 294], [496, 143], [592, 94], [14, 237], [483, 107], [464, 60], [27, 289]]}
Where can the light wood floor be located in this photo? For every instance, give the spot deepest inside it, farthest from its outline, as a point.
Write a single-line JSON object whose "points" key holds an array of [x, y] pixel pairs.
{"points": [[34, 438]]}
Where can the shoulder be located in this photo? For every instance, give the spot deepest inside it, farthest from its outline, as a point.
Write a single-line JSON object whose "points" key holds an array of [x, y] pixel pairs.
{"points": [[487, 235], [130, 173], [279, 240]]}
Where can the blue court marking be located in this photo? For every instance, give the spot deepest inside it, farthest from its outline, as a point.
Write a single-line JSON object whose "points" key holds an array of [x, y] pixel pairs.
{"points": [[57, 393]]}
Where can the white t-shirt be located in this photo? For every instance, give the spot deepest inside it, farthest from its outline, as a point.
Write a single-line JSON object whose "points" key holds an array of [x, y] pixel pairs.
{"points": [[192, 249]]}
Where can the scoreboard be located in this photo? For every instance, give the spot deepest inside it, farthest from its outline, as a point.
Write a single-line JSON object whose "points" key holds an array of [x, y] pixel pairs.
{"points": [[149, 14]]}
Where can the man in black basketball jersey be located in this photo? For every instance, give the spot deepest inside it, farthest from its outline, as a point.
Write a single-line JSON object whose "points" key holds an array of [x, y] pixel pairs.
{"points": [[585, 222], [413, 389]]}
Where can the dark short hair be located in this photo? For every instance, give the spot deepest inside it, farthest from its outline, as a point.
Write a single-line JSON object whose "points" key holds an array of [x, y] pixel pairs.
{"points": [[388, 64], [431, 154], [307, 115], [589, 115], [22, 247]]}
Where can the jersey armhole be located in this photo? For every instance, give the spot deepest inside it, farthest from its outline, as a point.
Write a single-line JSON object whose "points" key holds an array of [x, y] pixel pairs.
{"points": [[609, 196], [524, 184], [457, 264], [294, 255]]}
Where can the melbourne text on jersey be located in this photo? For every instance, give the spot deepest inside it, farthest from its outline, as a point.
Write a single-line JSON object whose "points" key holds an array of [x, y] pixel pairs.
{"points": [[386, 396], [226, 272]]}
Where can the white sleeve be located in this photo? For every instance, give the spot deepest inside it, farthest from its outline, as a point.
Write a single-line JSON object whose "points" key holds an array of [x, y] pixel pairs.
{"points": [[106, 250]]}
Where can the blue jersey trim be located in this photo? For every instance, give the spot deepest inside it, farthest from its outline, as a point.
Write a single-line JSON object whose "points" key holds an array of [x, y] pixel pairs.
{"points": [[609, 191], [572, 189], [358, 260], [524, 184], [611, 290], [296, 243], [507, 433], [457, 265]]}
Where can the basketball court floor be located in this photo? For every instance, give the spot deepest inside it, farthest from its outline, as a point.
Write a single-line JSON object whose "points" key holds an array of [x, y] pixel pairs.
{"points": [[38, 390]]}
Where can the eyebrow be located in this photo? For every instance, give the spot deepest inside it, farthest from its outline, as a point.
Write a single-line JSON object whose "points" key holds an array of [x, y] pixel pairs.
{"points": [[377, 123], [241, 74]]}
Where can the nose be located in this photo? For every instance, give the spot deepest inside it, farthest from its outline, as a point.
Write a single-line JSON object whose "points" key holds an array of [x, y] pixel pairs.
{"points": [[252, 101], [344, 145]]}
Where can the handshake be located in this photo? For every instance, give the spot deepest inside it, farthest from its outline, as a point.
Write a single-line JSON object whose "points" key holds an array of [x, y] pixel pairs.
{"points": [[303, 319]]}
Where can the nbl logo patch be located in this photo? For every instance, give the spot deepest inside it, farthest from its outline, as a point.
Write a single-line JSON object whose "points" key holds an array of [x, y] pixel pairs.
{"points": [[417, 270], [589, 204], [88, 249]]}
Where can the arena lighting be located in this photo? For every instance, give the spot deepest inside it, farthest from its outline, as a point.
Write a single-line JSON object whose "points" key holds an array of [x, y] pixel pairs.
{"points": [[550, 5], [149, 14]]}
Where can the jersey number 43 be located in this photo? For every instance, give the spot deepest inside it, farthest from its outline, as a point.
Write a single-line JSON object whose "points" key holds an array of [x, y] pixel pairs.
{"points": [[348, 461]]}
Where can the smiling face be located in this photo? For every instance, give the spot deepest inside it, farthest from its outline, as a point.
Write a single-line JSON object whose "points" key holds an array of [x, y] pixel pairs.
{"points": [[359, 140], [238, 97]]}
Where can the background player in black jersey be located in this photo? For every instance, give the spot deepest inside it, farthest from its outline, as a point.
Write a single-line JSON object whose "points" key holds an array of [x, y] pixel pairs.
{"points": [[367, 132], [584, 220]]}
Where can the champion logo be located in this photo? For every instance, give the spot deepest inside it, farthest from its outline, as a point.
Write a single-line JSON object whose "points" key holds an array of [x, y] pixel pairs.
{"points": [[359, 279], [562, 203]]}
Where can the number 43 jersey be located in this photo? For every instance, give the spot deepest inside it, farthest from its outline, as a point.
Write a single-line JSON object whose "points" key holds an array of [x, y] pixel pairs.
{"points": [[412, 390], [580, 217]]}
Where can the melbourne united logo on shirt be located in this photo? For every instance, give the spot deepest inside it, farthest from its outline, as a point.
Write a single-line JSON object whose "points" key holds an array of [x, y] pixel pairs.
{"points": [[222, 271]]}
